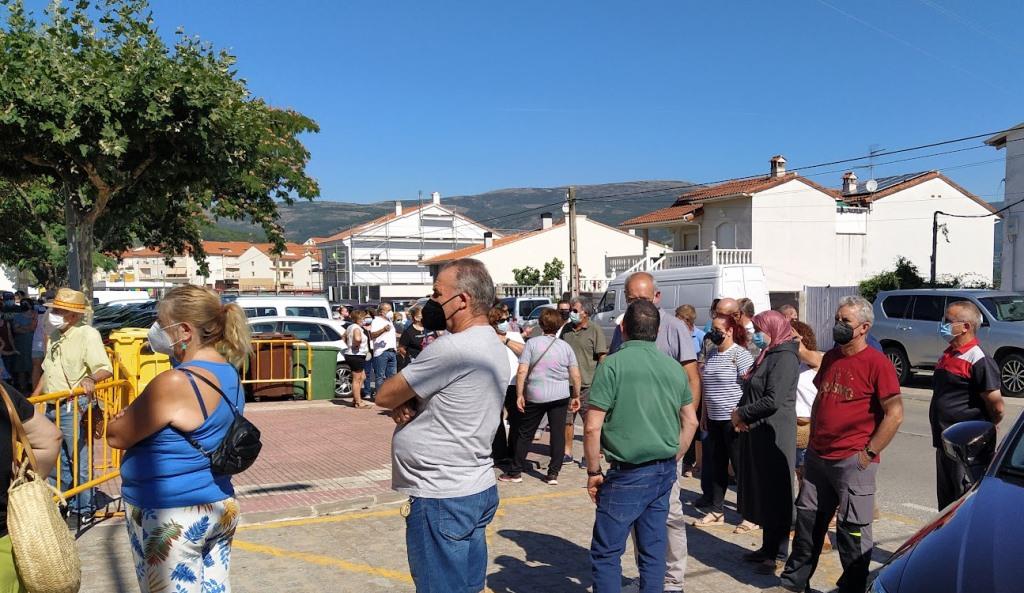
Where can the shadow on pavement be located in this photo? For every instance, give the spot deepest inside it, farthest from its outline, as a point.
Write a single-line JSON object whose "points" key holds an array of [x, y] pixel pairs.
{"points": [[725, 557], [550, 563]]}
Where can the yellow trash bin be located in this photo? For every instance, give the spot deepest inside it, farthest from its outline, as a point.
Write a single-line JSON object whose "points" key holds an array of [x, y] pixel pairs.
{"points": [[132, 347]]}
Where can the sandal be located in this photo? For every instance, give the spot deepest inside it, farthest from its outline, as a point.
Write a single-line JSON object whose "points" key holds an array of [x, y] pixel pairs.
{"points": [[363, 405], [746, 527], [712, 518]]}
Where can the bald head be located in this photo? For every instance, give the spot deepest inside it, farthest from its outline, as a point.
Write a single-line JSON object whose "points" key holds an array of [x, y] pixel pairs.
{"points": [[727, 307], [641, 285]]}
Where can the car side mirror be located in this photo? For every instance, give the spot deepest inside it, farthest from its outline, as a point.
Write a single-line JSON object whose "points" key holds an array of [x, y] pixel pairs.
{"points": [[972, 444]]}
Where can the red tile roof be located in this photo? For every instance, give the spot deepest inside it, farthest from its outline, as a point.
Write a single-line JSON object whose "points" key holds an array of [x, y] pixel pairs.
{"points": [[292, 251], [229, 248], [475, 249], [665, 215]]}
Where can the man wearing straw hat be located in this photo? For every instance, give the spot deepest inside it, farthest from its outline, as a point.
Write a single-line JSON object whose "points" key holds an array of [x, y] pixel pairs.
{"points": [[74, 358]]}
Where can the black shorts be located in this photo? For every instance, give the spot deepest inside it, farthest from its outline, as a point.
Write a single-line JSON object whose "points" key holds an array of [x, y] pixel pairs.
{"points": [[356, 363]]}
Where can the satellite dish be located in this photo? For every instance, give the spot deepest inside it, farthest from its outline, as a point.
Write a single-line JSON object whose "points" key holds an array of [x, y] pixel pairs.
{"points": [[871, 185]]}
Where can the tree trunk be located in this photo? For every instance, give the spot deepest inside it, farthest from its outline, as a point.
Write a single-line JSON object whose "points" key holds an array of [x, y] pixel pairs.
{"points": [[80, 248]]}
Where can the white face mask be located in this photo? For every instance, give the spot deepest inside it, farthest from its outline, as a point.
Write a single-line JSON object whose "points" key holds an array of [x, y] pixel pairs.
{"points": [[390, 315], [159, 341], [55, 321]]}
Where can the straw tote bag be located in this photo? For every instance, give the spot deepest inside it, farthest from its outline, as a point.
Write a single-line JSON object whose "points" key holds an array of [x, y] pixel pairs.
{"points": [[45, 553]]}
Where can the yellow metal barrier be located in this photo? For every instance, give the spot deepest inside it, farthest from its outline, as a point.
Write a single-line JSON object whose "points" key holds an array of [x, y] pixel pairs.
{"points": [[102, 461], [281, 348]]}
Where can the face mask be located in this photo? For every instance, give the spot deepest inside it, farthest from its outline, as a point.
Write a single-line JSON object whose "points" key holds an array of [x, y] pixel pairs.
{"points": [[390, 315], [842, 333], [434, 318], [716, 337], [564, 314], [54, 321], [337, 316], [759, 340], [707, 327], [503, 327], [575, 317], [946, 331], [159, 341]]}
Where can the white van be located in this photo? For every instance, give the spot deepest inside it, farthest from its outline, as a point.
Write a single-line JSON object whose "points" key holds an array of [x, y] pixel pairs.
{"points": [[282, 306], [696, 286]]}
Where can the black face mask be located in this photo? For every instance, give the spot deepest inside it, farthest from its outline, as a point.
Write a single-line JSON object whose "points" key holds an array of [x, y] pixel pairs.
{"points": [[842, 333], [564, 314], [434, 318], [716, 337]]}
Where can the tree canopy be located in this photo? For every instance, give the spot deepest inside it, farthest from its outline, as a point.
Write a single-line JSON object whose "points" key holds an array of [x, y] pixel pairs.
{"points": [[124, 139]]}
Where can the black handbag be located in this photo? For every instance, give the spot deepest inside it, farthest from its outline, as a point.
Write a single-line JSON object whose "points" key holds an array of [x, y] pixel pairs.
{"points": [[241, 445]]}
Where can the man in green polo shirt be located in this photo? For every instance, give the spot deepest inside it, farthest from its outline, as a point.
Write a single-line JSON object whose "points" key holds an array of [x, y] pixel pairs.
{"points": [[590, 346], [640, 416]]}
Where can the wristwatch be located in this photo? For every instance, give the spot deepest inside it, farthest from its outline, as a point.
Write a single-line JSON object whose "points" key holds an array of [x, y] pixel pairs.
{"points": [[591, 474], [871, 453], [505, 342]]}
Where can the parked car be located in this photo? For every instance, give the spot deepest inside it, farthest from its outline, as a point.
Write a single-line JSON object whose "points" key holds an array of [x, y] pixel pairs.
{"points": [[314, 330], [531, 321], [696, 286], [273, 305], [972, 546], [519, 308], [907, 325]]}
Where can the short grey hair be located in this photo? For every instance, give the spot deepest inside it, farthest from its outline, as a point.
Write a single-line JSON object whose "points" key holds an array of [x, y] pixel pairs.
{"points": [[970, 313], [865, 312], [585, 302], [472, 278]]}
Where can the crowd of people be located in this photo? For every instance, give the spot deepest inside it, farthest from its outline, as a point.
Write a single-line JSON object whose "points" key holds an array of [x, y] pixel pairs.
{"points": [[798, 431]]}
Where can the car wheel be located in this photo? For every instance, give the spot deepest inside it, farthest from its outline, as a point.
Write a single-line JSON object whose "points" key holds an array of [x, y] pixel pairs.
{"points": [[1011, 372], [343, 381], [899, 359]]}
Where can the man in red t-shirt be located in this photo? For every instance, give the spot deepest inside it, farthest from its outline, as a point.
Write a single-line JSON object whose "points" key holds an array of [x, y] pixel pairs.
{"points": [[855, 415]]}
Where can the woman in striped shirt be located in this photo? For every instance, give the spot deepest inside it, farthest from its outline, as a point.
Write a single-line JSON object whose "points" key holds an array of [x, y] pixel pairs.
{"points": [[722, 384]]}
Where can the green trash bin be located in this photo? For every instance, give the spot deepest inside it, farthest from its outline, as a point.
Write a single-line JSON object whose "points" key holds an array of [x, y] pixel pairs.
{"points": [[324, 370]]}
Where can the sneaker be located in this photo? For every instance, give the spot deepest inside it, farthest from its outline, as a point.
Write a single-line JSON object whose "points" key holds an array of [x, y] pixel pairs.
{"points": [[513, 478], [567, 459], [551, 480]]}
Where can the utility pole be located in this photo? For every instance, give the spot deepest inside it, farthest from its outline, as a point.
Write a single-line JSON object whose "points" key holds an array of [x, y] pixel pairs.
{"points": [[935, 243], [574, 272]]}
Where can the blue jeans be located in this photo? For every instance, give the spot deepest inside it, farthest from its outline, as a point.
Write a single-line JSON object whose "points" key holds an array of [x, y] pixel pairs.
{"points": [[635, 498], [385, 366], [446, 544], [83, 502], [368, 382]]}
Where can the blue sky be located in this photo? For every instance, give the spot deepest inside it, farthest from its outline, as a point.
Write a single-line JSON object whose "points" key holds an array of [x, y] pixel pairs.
{"points": [[465, 97]]}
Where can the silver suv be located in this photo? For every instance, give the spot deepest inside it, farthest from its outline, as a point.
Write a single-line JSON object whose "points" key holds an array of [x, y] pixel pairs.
{"points": [[907, 325]]}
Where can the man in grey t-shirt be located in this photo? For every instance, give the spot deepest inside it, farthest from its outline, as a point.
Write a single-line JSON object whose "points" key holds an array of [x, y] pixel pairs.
{"points": [[447, 404]]}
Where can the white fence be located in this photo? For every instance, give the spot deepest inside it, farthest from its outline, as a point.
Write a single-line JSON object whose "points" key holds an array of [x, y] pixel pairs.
{"points": [[624, 264]]}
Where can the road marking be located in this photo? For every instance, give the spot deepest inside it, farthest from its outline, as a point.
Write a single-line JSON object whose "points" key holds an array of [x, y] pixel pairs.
{"points": [[920, 507], [513, 501], [320, 560]]}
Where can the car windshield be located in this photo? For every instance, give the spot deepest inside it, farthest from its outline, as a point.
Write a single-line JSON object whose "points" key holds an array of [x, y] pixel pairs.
{"points": [[535, 314], [1005, 308]]}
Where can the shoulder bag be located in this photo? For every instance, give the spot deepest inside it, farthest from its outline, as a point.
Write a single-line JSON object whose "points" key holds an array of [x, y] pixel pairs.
{"points": [[45, 553], [529, 371], [241, 445]]}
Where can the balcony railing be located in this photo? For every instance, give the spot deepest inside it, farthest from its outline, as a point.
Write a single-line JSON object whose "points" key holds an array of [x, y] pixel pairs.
{"points": [[625, 264]]}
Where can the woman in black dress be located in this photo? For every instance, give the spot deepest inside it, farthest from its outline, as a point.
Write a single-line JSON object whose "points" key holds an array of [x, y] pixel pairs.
{"points": [[766, 421]]}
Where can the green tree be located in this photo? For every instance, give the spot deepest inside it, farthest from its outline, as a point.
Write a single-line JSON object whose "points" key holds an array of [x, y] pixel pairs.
{"points": [[141, 142], [553, 271], [528, 276], [904, 275]]}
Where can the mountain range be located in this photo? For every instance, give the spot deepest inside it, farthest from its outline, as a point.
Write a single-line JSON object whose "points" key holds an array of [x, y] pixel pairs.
{"points": [[506, 210]]}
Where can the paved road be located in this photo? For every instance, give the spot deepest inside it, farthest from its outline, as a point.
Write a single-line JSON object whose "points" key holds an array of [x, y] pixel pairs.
{"points": [[906, 482]]}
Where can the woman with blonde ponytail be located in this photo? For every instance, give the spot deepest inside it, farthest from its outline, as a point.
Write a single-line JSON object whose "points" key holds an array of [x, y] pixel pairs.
{"points": [[181, 516]]}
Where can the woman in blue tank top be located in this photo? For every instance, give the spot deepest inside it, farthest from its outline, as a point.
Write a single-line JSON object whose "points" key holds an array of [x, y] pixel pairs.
{"points": [[180, 515]]}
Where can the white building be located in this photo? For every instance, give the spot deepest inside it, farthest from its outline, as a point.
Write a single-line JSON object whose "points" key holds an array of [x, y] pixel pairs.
{"points": [[233, 266], [804, 234], [380, 259], [1012, 265], [596, 243]]}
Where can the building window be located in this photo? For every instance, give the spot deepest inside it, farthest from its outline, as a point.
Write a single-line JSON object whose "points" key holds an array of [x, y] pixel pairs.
{"points": [[375, 260]]}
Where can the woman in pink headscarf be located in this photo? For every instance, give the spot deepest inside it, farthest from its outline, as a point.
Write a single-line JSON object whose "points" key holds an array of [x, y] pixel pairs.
{"points": [[766, 421]]}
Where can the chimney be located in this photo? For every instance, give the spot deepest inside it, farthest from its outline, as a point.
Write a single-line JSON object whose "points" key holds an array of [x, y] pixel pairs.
{"points": [[778, 166], [435, 197], [488, 240], [849, 182], [398, 208], [545, 220]]}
